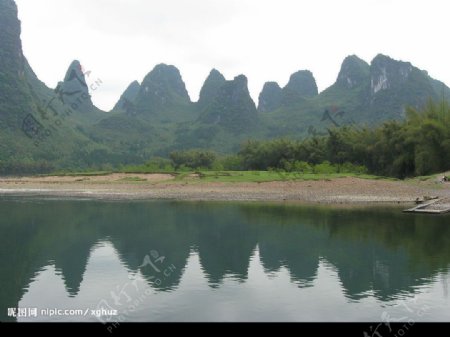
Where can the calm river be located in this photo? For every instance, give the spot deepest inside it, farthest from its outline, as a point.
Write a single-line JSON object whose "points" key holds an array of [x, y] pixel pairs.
{"points": [[146, 261]]}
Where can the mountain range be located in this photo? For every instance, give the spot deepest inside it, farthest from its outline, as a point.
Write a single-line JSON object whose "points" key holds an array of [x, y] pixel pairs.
{"points": [[43, 129]]}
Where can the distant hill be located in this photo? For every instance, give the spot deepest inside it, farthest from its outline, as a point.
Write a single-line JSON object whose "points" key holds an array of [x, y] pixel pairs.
{"points": [[363, 94], [42, 129], [38, 131], [129, 96]]}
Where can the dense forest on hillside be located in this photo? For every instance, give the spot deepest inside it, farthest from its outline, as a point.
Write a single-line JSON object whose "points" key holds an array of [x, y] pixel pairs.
{"points": [[418, 146]]}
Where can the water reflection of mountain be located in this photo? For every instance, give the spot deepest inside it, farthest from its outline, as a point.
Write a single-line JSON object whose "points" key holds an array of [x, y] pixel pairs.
{"points": [[381, 251]]}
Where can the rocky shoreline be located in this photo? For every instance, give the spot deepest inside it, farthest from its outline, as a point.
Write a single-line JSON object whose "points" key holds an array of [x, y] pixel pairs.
{"points": [[165, 187]]}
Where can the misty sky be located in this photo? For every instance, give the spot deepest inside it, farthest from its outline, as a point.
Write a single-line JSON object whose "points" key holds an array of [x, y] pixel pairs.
{"points": [[267, 40]]}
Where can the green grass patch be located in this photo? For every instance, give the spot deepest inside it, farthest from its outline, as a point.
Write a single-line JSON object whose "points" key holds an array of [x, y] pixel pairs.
{"points": [[77, 174], [264, 176], [228, 176], [144, 170], [133, 179], [432, 180]]}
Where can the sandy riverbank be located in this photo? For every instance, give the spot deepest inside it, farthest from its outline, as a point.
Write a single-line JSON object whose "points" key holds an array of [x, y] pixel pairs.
{"points": [[164, 186]]}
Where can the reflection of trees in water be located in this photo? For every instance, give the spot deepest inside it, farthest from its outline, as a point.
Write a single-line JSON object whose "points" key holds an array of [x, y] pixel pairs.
{"points": [[225, 243], [71, 262], [31, 237], [383, 251], [372, 249], [298, 251], [141, 229]]}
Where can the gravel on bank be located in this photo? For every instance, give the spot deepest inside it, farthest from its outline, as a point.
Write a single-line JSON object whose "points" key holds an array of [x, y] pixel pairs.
{"points": [[163, 186]]}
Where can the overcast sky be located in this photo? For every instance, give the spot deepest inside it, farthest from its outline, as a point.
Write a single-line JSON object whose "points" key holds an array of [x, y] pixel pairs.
{"points": [[267, 40]]}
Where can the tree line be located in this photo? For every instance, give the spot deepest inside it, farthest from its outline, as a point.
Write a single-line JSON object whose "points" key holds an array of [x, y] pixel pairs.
{"points": [[417, 146]]}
